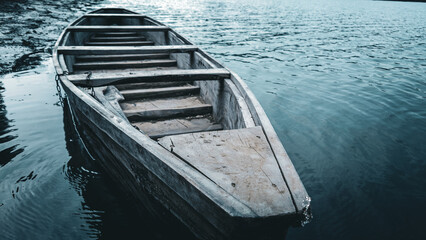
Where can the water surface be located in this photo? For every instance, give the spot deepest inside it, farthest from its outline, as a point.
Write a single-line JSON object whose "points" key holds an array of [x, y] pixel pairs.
{"points": [[343, 83]]}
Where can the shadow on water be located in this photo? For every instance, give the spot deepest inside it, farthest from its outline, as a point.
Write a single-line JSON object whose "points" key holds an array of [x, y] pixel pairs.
{"points": [[117, 213], [8, 152]]}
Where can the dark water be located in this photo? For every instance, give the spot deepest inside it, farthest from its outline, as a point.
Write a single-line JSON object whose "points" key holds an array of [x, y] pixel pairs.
{"points": [[343, 82]]}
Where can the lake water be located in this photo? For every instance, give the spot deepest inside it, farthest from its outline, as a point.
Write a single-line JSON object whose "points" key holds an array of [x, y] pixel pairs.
{"points": [[344, 85]]}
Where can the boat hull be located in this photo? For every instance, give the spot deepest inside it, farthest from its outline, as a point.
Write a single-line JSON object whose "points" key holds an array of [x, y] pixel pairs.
{"points": [[157, 196], [262, 200]]}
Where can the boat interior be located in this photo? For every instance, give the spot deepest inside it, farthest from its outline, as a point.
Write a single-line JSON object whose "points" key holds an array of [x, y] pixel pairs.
{"points": [[157, 108], [170, 90]]}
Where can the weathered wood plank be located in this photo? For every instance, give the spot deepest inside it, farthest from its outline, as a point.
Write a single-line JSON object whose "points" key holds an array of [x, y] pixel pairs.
{"points": [[214, 127], [121, 57], [126, 43], [241, 162], [201, 62], [159, 92], [165, 107], [101, 28], [125, 64], [149, 85], [298, 192], [135, 115], [100, 79], [81, 50], [112, 71], [157, 129], [117, 34], [205, 198], [163, 103], [110, 97], [114, 15], [242, 105], [118, 39]]}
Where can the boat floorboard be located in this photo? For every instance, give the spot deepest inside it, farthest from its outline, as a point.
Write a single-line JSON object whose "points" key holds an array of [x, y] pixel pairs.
{"points": [[161, 103], [158, 129], [159, 92], [148, 85], [239, 161]]}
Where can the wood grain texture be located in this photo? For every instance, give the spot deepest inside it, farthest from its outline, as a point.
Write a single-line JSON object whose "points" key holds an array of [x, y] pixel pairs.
{"points": [[117, 43], [241, 162], [161, 103], [106, 50], [117, 34], [172, 112], [124, 64], [110, 98], [298, 192], [194, 194], [138, 110], [148, 85], [121, 57], [116, 28], [160, 92], [228, 105], [182, 179], [107, 78], [158, 129], [117, 38], [119, 15]]}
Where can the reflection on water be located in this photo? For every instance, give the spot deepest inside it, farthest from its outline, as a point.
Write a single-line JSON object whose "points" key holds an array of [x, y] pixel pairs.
{"points": [[8, 150], [54, 189], [110, 212], [343, 83]]}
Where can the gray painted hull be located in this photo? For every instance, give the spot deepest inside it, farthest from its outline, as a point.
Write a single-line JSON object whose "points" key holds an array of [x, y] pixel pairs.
{"points": [[158, 197], [168, 184]]}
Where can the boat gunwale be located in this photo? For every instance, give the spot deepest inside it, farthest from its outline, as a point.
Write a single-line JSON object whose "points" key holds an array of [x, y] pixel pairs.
{"points": [[147, 143], [292, 180]]}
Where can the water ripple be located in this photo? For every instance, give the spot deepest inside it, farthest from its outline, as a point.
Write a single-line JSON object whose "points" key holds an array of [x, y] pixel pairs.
{"points": [[344, 85]]}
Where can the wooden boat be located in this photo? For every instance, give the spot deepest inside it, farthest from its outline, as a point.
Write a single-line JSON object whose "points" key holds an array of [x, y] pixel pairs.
{"points": [[167, 119]]}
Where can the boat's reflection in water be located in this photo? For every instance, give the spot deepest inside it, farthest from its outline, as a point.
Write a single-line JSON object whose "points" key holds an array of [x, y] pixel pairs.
{"points": [[111, 212]]}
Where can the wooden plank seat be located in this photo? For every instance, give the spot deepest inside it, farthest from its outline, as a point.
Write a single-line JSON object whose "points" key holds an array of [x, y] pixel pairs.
{"points": [[118, 57], [163, 111], [97, 38], [139, 110], [160, 92], [126, 43], [160, 128], [125, 64], [116, 28], [107, 78], [149, 85], [117, 34], [108, 50], [119, 15], [121, 70]]}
